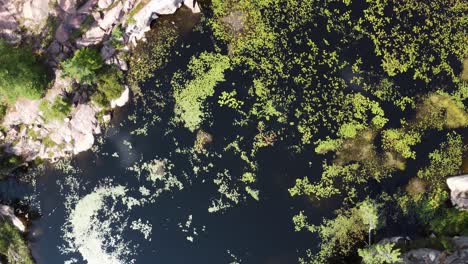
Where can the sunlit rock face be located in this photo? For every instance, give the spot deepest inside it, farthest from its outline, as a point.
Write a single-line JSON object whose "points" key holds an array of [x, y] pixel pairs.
{"points": [[140, 22], [459, 191], [7, 214], [26, 128], [35, 13]]}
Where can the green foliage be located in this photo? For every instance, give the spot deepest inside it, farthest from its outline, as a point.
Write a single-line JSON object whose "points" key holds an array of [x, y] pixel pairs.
{"points": [[228, 99], [380, 254], [401, 141], [300, 222], [83, 66], [12, 245], [192, 88], [324, 146], [464, 74], [20, 74], [109, 86], [52, 23], [401, 30], [116, 39], [58, 110], [341, 235], [368, 210], [451, 222], [445, 161], [248, 177], [3, 110]]}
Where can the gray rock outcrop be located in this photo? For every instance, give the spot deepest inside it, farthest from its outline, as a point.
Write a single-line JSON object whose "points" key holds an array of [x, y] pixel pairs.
{"points": [[432, 256], [35, 13], [9, 26], [140, 21], [6, 213], [459, 191]]}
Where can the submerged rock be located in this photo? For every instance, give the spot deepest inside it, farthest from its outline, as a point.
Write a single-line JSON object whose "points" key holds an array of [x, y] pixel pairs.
{"points": [[459, 191]]}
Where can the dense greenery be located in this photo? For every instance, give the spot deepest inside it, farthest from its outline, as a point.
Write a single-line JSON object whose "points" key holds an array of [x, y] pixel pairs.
{"points": [[109, 86], [12, 245], [423, 37], [83, 66], [21, 75]]}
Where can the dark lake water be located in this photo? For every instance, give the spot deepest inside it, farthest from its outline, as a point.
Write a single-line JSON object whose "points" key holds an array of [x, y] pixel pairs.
{"points": [[251, 232], [100, 211]]}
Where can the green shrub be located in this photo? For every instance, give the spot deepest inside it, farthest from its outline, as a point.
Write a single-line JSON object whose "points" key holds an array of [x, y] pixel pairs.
{"points": [[13, 246], [116, 38], [451, 222], [83, 66], [109, 87], [58, 110], [445, 161], [20, 74]]}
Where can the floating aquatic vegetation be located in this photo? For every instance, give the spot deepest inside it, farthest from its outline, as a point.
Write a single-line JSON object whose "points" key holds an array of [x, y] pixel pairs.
{"points": [[235, 259], [144, 227], [187, 228], [65, 166], [95, 225], [157, 173], [229, 192]]}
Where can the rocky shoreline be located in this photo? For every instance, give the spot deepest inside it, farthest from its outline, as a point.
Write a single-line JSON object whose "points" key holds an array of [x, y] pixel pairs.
{"points": [[56, 29]]}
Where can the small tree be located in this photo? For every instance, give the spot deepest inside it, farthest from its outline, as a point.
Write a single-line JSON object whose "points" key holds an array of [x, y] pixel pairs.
{"points": [[83, 65], [370, 217]]}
